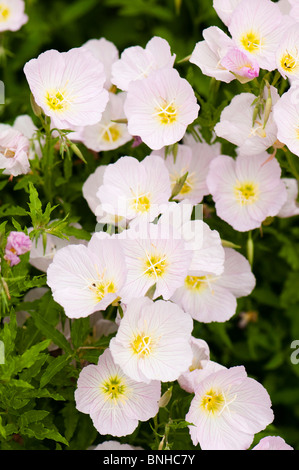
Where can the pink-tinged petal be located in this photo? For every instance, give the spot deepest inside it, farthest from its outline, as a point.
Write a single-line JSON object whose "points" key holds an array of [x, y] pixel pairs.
{"points": [[212, 303], [225, 9], [291, 206], [240, 65], [227, 410], [118, 414], [158, 347], [68, 86], [272, 443], [286, 116], [160, 107], [137, 63], [257, 27], [14, 17], [237, 276], [106, 52]]}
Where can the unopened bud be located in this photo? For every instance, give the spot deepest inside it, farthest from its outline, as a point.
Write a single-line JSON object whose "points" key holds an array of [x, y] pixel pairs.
{"points": [[165, 399], [268, 106], [35, 107]]}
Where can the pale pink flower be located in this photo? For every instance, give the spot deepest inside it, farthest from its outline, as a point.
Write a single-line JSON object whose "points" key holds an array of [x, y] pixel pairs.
{"points": [[287, 55], [294, 13], [14, 151], [68, 86], [225, 9], [160, 107], [240, 65], [85, 279], [18, 243], [236, 124], [195, 160], [26, 126], [256, 27], [107, 134], [207, 54], [106, 52], [134, 189], [137, 63], [115, 402], [291, 206], [153, 341], [154, 257], [200, 368], [272, 443], [286, 115], [247, 190], [227, 410], [211, 298], [12, 15]]}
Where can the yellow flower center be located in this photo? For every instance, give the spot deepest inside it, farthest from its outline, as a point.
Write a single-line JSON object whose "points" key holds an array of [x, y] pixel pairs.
{"points": [[166, 114], [112, 134], [114, 388], [289, 63], [156, 265], [212, 401], [6, 152], [251, 42], [196, 283], [142, 345], [4, 12], [141, 203], [57, 100], [246, 193], [101, 288]]}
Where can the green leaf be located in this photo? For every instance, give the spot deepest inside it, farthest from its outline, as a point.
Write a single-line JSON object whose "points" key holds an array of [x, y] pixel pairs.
{"points": [[31, 416], [2, 429], [54, 367], [29, 357], [71, 418], [39, 431], [290, 294], [35, 205], [50, 332], [79, 331]]}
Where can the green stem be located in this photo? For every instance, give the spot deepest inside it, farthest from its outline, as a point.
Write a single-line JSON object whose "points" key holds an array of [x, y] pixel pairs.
{"points": [[48, 160], [277, 76]]}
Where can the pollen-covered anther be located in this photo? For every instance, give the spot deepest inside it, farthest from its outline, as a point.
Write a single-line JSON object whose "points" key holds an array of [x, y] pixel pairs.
{"points": [[246, 192], [251, 42], [167, 113], [142, 345]]}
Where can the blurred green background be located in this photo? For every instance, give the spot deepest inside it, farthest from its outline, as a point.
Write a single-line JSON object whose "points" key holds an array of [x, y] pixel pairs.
{"points": [[263, 346]]}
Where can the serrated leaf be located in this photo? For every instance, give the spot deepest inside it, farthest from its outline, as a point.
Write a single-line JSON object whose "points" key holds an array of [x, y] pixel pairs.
{"points": [[50, 332], [29, 357], [32, 416], [39, 431], [54, 367]]}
